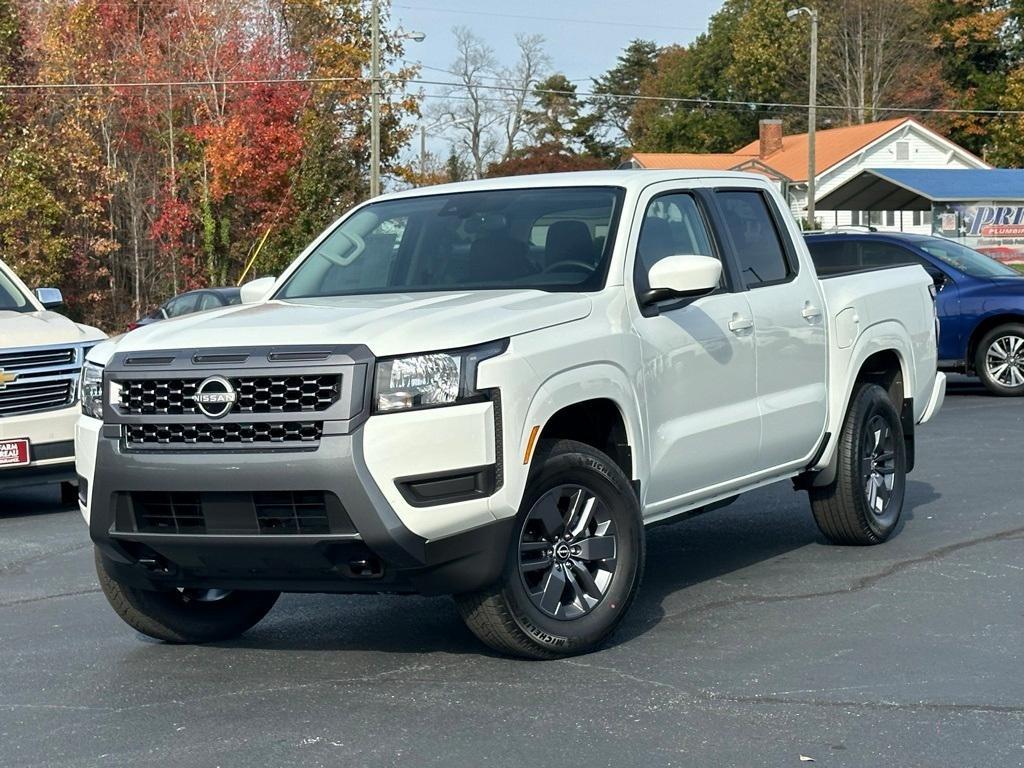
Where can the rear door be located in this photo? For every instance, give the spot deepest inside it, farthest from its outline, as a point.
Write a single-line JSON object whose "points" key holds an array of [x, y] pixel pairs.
{"points": [[789, 324], [699, 373]]}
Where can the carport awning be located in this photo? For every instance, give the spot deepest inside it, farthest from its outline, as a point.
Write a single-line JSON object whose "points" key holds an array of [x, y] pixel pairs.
{"points": [[906, 189]]}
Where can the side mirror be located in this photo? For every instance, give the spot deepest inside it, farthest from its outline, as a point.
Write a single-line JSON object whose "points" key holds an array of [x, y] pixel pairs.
{"points": [[49, 297], [940, 279], [682, 277], [257, 290]]}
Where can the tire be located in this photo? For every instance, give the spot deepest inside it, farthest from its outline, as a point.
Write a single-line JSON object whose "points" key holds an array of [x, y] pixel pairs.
{"points": [[863, 503], [188, 616], [560, 597], [999, 360]]}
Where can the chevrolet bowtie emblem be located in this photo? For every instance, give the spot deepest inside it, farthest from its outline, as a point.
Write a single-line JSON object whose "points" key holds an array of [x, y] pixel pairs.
{"points": [[7, 378]]}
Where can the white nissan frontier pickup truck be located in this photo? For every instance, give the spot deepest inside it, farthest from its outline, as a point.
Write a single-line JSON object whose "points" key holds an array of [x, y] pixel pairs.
{"points": [[488, 389], [41, 356]]}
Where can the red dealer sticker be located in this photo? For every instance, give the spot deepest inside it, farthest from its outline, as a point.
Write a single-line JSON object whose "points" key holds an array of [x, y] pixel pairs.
{"points": [[13, 452]]}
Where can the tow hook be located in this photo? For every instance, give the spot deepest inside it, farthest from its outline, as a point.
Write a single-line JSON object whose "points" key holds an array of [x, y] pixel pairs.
{"points": [[154, 565]]}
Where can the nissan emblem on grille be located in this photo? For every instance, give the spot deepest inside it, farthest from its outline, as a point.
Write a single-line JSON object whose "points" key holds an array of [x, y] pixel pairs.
{"points": [[215, 396]]}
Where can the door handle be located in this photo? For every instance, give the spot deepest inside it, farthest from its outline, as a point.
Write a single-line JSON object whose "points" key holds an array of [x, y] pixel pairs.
{"points": [[810, 311], [738, 324]]}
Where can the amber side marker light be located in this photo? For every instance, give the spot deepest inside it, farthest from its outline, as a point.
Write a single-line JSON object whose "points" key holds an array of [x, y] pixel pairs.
{"points": [[530, 443]]}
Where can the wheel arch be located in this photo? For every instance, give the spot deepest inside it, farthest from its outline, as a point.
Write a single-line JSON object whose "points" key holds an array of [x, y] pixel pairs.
{"points": [[985, 325], [594, 404], [878, 358]]}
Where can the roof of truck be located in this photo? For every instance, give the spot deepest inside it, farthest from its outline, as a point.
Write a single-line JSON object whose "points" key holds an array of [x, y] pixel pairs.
{"points": [[626, 178]]}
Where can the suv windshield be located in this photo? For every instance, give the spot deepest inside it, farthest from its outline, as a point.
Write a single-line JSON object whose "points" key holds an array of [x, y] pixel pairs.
{"points": [[12, 299], [966, 260], [550, 239]]}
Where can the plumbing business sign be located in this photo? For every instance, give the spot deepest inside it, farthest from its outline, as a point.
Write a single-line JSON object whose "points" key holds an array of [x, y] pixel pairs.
{"points": [[993, 228]]}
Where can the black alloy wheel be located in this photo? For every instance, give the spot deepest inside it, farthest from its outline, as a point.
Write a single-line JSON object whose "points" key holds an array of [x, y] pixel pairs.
{"points": [[567, 552]]}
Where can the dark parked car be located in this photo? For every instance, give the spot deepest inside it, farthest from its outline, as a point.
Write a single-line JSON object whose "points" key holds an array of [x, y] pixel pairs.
{"points": [[187, 303], [980, 302]]}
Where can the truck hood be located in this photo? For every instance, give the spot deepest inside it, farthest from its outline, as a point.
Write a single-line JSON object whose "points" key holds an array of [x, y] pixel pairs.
{"points": [[388, 324], [40, 329]]}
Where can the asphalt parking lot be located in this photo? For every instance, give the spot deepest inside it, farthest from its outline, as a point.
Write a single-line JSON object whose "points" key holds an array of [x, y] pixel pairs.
{"points": [[752, 643]]}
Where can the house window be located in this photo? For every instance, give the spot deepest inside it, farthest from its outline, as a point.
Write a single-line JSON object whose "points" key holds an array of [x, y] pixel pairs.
{"points": [[918, 216], [875, 218], [890, 218], [903, 150]]}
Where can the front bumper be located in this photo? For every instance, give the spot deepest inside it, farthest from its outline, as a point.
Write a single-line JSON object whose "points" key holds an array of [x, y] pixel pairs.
{"points": [[50, 445], [378, 553]]}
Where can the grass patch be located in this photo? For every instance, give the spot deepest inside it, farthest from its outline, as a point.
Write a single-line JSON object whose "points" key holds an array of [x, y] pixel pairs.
{"points": [[1018, 267]]}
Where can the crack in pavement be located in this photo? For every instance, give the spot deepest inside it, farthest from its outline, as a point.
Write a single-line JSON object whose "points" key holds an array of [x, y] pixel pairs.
{"points": [[40, 598], [860, 584], [920, 706]]}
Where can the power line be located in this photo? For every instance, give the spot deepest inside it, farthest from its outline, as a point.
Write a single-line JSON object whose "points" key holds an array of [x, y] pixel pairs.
{"points": [[695, 101]]}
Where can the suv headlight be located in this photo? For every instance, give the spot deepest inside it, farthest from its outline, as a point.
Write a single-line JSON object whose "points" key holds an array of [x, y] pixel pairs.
{"points": [[90, 390], [430, 380]]}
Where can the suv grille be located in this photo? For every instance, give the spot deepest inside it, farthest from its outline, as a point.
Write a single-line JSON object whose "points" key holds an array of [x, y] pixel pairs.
{"points": [[266, 512], [46, 379], [216, 434], [256, 394]]}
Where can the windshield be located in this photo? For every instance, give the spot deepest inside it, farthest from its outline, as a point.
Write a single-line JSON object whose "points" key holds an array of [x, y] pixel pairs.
{"points": [[968, 261], [550, 239], [12, 299]]}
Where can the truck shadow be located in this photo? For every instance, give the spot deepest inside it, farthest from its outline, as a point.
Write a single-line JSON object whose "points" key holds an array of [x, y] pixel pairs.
{"points": [[770, 524], [32, 501]]}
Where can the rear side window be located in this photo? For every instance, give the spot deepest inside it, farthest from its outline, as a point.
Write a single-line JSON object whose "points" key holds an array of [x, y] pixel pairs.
{"points": [[873, 254], [182, 305], [759, 251]]}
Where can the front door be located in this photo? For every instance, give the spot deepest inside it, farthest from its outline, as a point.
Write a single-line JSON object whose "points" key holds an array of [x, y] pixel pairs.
{"points": [[699, 373]]}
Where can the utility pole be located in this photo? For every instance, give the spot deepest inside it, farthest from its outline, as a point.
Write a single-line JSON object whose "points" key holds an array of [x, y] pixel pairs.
{"points": [[423, 152], [812, 108], [375, 99]]}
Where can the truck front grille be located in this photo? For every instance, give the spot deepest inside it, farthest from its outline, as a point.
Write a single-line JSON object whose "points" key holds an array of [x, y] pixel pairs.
{"points": [[255, 394], [31, 396], [244, 513], [223, 433]]}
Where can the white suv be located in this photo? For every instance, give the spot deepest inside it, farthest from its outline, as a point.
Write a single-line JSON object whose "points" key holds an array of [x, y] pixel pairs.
{"points": [[489, 389], [41, 355]]}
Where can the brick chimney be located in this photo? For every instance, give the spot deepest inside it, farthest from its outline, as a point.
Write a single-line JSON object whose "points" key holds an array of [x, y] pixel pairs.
{"points": [[771, 137]]}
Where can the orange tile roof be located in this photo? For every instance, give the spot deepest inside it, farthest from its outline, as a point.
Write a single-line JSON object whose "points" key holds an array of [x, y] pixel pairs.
{"points": [[673, 161], [831, 146]]}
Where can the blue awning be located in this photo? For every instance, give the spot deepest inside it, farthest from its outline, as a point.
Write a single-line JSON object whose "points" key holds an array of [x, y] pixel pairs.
{"points": [[912, 189]]}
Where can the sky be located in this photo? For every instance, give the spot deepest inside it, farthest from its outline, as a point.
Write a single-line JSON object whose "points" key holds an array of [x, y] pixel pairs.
{"points": [[583, 39]]}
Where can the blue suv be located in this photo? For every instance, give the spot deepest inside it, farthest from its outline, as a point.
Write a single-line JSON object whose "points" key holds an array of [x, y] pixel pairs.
{"points": [[980, 302]]}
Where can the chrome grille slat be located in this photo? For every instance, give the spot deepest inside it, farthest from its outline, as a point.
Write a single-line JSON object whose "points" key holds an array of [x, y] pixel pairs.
{"points": [[43, 358]]}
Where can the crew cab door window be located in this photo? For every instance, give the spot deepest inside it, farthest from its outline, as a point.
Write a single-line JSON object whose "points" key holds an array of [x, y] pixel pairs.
{"points": [[759, 252], [673, 226]]}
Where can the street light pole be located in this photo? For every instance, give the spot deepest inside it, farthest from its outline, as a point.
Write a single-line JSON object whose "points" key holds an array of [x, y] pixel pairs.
{"points": [[812, 108]]}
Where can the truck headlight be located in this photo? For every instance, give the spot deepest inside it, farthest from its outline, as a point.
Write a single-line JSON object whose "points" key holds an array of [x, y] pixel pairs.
{"points": [[90, 389], [430, 380]]}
